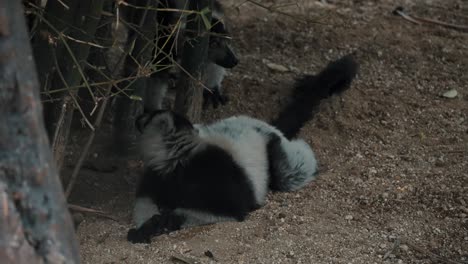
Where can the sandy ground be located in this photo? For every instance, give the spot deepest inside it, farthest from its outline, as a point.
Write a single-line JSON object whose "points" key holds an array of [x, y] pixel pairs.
{"points": [[393, 151]]}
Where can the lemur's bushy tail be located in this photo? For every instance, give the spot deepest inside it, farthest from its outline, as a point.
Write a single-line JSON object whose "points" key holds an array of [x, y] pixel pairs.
{"points": [[310, 90]]}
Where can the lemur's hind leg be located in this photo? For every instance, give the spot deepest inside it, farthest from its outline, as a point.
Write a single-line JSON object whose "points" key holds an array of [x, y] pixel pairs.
{"points": [[172, 220], [168, 221]]}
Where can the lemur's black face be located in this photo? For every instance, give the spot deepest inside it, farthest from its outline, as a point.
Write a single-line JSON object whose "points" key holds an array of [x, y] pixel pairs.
{"points": [[162, 122], [220, 51]]}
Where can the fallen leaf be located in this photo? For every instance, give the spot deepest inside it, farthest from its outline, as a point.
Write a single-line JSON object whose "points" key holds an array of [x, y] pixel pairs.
{"points": [[450, 94]]}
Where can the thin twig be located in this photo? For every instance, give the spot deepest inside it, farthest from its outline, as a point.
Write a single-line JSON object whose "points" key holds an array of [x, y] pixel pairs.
{"points": [[92, 211], [399, 11], [121, 2], [64, 5], [92, 85], [66, 101], [77, 105], [440, 23], [274, 10], [418, 20], [83, 42]]}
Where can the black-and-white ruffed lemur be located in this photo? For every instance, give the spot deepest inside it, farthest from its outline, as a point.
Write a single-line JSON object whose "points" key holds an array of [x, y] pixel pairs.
{"points": [[220, 56], [202, 174]]}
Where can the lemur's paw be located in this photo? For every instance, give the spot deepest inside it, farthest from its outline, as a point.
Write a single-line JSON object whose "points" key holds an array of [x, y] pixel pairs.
{"points": [[135, 236], [215, 98]]}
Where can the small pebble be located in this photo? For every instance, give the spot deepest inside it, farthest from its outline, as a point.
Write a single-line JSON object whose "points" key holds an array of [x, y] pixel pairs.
{"points": [[450, 94], [209, 254], [404, 247]]}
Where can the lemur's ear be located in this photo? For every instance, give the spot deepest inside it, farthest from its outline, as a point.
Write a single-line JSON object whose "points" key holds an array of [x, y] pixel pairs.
{"points": [[142, 121]]}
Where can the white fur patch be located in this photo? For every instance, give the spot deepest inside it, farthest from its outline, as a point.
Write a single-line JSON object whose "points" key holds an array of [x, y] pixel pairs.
{"points": [[300, 165], [154, 151], [214, 75], [144, 209], [251, 154]]}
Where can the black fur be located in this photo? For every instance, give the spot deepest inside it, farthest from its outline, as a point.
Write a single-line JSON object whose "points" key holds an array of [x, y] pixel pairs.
{"points": [[180, 122], [215, 97], [219, 39], [310, 90], [157, 225], [198, 184], [275, 153]]}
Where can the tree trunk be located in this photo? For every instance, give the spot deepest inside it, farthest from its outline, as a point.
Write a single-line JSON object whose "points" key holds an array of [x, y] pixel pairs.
{"points": [[35, 225], [189, 96], [79, 20]]}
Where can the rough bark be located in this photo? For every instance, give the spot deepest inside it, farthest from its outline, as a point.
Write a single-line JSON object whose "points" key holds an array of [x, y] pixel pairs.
{"points": [[35, 225], [189, 96], [79, 21]]}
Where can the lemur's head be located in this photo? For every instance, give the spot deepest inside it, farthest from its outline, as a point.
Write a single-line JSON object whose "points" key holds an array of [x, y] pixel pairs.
{"points": [[166, 139], [220, 51], [162, 123]]}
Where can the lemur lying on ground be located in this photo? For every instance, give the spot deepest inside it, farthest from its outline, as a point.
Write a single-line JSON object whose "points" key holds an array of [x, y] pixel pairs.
{"points": [[202, 174]]}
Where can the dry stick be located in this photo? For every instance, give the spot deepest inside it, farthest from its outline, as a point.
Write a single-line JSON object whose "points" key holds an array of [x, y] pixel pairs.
{"points": [[83, 42], [66, 101], [121, 2], [92, 85], [440, 23], [418, 20], [64, 5], [91, 211], [61, 132], [400, 12], [274, 10]]}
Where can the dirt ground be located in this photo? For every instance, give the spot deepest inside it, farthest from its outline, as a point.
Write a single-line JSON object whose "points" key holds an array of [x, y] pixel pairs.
{"points": [[393, 152]]}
